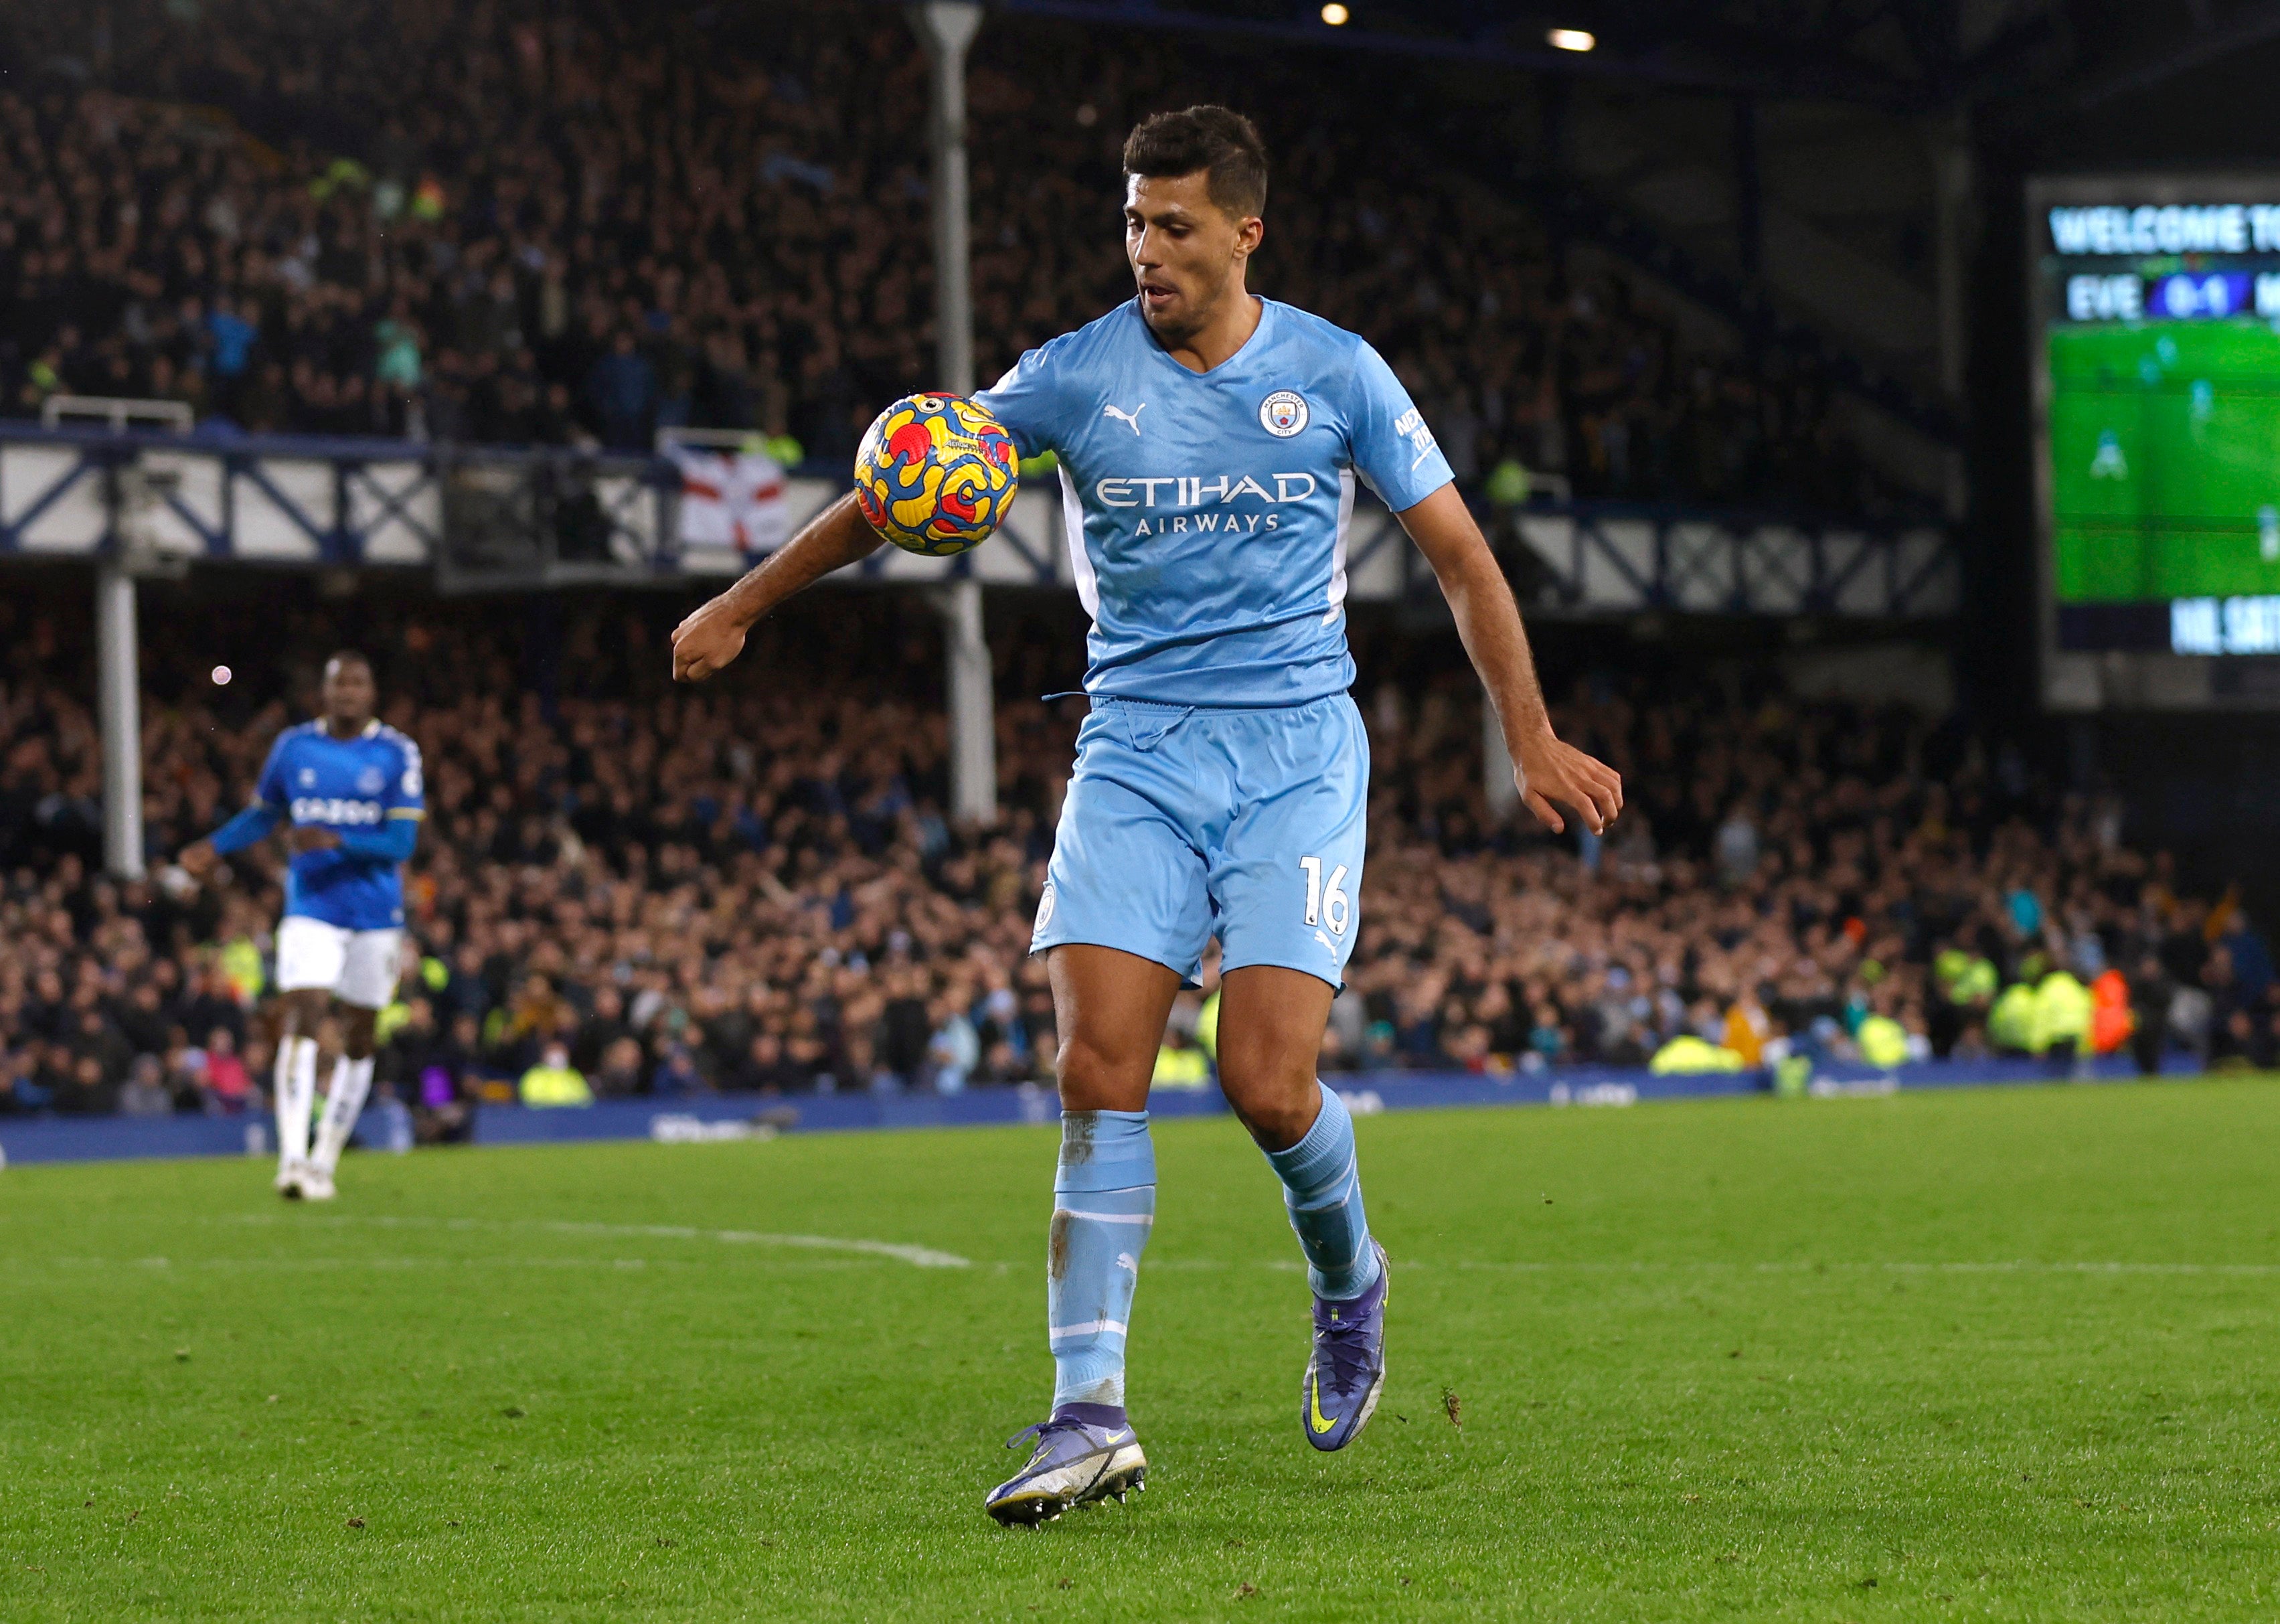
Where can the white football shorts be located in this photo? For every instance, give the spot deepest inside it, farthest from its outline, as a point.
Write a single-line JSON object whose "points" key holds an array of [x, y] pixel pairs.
{"points": [[355, 966]]}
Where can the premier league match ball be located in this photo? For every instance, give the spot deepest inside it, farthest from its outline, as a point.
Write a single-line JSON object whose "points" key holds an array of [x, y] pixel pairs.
{"points": [[936, 474]]}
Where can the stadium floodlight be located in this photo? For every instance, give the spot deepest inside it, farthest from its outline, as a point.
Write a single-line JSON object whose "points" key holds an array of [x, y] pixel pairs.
{"points": [[1336, 15], [1572, 39]]}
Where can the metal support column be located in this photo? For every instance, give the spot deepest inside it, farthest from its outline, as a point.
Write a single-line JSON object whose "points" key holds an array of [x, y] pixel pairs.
{"points": [[947, 27], [1952, 251], [118, 679], [972, 721]]}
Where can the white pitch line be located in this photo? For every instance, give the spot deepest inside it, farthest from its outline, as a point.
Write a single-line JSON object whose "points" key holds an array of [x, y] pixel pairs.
{"points": [[1712, 1266], [2014, 1265], [2029, 1267], [917, 1256], [397, 1265]]}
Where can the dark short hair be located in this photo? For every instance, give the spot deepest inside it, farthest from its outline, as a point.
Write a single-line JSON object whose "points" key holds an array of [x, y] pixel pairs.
{"points": [[1217, 140], [348, 657]]}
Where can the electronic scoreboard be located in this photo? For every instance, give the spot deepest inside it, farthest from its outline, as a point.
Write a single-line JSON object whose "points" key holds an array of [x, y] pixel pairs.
{"points": [[2155, 329]]}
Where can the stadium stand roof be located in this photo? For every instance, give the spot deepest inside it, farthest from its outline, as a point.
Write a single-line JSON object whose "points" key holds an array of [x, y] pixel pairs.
{"points": [[1909, 55]]}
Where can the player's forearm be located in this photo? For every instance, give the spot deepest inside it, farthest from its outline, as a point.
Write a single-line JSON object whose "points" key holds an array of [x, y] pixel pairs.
{"points": [[1488, 622], [391, 842], [249, 826], [834, 539]]}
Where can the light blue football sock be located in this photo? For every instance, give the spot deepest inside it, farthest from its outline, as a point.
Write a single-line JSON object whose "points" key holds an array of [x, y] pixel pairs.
{"points": [[1321, 1185], [1103, 1204]]}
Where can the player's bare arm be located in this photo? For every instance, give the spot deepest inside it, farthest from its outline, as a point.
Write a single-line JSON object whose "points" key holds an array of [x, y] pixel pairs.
{"points": [[200, 858], [715, 635], [1550, 773]]}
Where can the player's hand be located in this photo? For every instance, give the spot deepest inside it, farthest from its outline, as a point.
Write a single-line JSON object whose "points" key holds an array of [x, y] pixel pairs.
{"points": [[707, 641], [199, 858], [1547, 770], [310, 837]]}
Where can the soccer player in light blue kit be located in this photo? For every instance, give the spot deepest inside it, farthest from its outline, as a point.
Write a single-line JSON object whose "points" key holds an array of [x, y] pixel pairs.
{"points": [[1210, 443], [348, 787]]}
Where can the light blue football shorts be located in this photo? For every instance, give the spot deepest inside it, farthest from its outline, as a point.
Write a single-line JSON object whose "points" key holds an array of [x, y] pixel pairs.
{"points": [[1187, 822]]}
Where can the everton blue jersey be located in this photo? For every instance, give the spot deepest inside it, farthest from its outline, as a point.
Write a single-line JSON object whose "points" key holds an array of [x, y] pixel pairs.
{"points": [[1206, 512], [347, 785]]}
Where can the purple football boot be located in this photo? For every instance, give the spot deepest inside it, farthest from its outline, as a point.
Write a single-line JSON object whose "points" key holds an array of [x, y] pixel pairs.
{"points": [[1076, 1461], [1347, 1370]]}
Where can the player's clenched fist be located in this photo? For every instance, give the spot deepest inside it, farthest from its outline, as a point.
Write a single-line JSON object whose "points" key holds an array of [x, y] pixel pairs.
{"points": [[714, 635], [707, 641]]}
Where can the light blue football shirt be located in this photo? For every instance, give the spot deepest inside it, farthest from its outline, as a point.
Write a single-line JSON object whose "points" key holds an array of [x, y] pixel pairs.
{"points": [[343, 785], [1206, 512]]}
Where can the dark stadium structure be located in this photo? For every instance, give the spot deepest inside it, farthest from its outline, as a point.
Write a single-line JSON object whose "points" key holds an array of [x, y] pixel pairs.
{"points": [[1720, 322]]}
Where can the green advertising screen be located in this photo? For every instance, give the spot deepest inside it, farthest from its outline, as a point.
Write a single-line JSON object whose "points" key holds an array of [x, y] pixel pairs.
{"points": [[2165, 460]]}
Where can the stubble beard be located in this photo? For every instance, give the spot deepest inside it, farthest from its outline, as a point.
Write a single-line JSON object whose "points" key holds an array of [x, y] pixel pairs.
{"points": [[1175, 330]]}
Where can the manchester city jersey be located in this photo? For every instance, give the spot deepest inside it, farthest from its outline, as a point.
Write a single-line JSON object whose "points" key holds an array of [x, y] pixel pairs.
{"points": [[1206, 512], [345, 785]]}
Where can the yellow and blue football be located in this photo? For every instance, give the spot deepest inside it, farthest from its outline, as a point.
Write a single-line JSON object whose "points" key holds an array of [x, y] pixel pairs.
{"points": [[936, 474]]}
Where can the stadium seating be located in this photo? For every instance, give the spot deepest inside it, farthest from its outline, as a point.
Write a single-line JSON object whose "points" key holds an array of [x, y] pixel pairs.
{"points": [[751, 887], [583, 229]]}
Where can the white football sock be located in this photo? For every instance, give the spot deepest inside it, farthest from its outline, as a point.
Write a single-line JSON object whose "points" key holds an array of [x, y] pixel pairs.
{"points": [[296, 1089], [304, 1079], [351, 1082]]}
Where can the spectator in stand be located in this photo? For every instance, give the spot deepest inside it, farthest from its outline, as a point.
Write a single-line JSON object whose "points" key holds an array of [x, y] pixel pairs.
{"points": [[227, 1086], [622, 389], [20, 1093], [620, 1068], [525, 224], [144, 1093], [757, 889], [78, 1086], [552, 1080]]}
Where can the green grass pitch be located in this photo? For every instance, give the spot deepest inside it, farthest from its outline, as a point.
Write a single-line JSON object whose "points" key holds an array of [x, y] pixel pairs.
{"points": [[2165, 460], [2002, 1355]]}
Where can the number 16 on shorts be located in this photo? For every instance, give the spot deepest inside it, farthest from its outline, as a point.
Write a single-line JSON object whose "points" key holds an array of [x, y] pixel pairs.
{"points": [[1327, 905]]}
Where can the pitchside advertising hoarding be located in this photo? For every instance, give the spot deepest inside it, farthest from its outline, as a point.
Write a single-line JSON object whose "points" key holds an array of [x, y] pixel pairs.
{"points": [[2156, 332]]}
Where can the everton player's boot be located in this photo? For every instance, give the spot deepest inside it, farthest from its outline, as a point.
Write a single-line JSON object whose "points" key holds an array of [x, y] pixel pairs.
{"points": [[1085, 1452], [1346, 1371]]}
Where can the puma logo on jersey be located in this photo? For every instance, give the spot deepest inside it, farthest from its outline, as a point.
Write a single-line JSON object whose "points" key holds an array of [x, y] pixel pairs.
{"points": [[1131, 418]]}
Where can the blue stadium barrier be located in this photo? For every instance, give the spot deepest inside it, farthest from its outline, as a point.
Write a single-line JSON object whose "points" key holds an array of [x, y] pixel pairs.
{"points": [[733, 1116], [89, 1139]]}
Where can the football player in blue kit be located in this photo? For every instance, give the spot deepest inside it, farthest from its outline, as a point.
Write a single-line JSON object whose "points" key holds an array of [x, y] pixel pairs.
{"points": [[1209, 444], [347, 789]]}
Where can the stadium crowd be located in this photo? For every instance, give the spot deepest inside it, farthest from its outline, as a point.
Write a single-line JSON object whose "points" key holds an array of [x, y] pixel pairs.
{"points": [[624, 887], [591, 221]]}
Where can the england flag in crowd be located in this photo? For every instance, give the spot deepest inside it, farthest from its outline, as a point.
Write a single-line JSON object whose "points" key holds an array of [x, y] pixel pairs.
{"points": [[731, 498]]}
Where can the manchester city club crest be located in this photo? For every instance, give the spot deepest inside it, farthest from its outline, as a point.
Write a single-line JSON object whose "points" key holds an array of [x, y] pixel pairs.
{"points": [[1282, 413]]}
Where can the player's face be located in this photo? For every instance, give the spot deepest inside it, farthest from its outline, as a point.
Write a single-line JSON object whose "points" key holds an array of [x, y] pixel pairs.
{"points": [[349, 693], [1187, 253]]}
